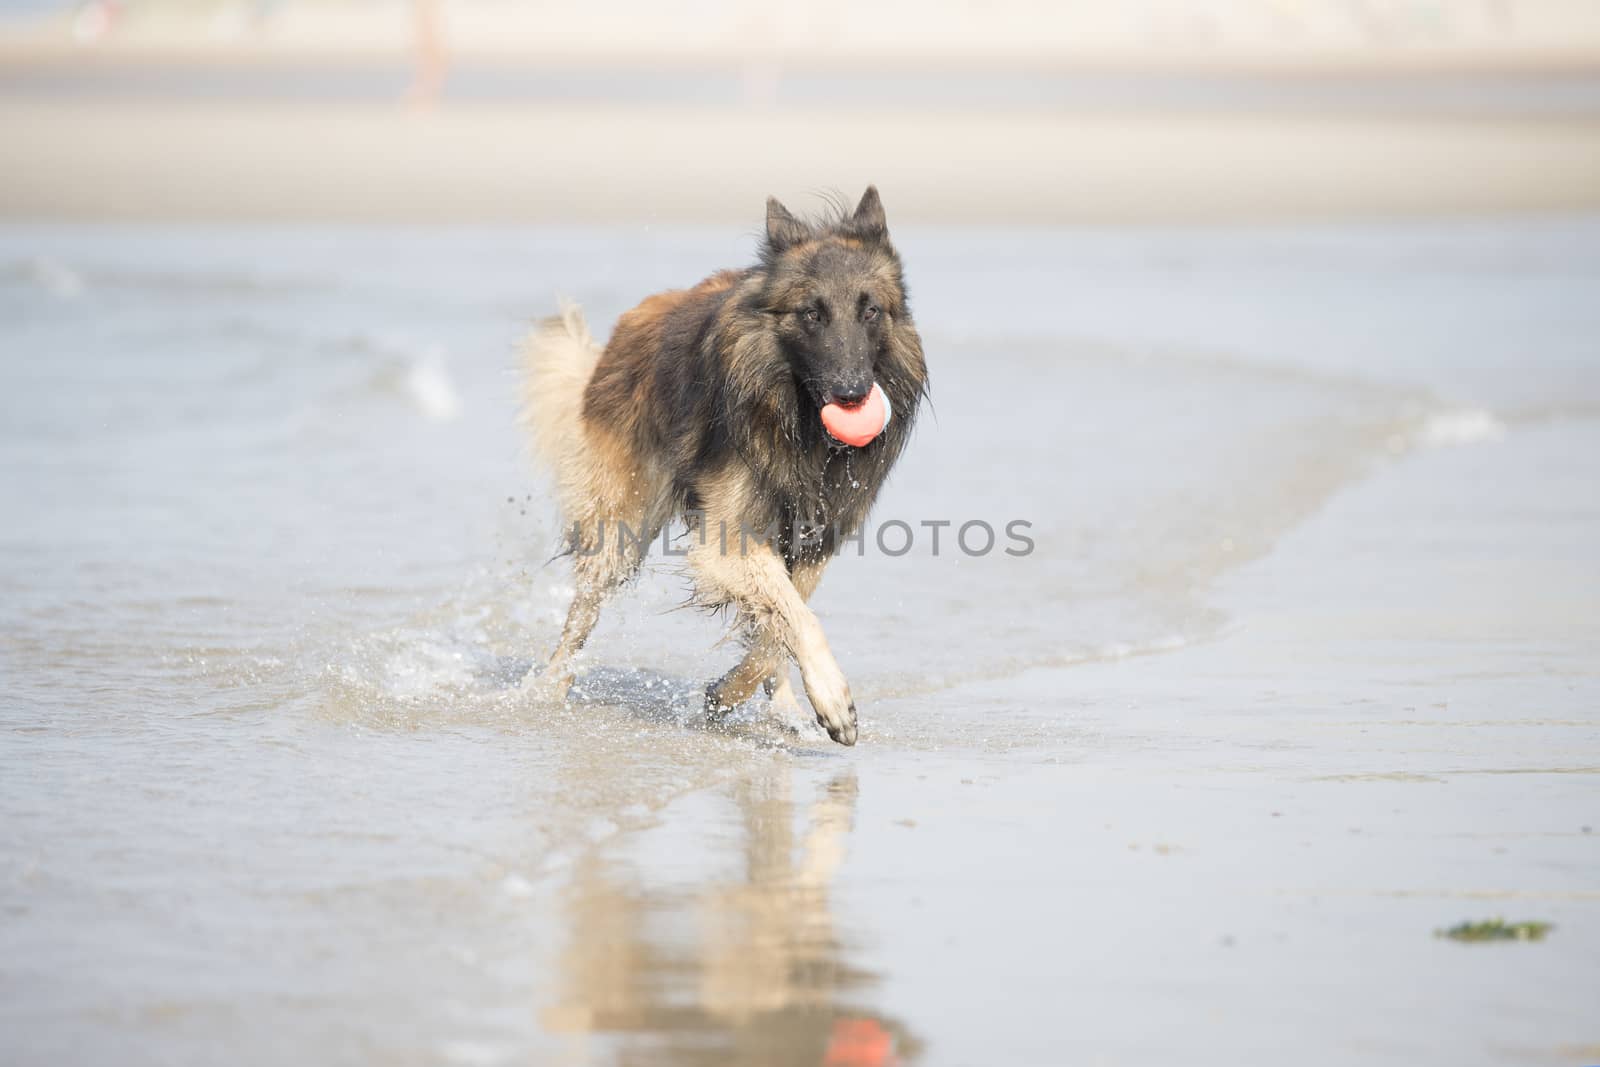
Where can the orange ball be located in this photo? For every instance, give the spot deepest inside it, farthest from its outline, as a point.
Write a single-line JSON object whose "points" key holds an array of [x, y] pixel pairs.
{"points": [[861, 424]]}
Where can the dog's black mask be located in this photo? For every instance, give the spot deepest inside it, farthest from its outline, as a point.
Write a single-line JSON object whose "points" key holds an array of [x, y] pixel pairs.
{"points": [[835, 291]]}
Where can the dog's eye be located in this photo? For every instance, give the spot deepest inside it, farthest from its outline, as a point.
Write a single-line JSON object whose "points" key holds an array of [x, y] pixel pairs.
{"points": [[813, 316], [871, 313]]}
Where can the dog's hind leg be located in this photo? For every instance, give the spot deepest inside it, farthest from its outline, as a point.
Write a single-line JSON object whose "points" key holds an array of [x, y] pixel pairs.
{"points": [[608, 554], [581, 618], [761, 658], [617, 515]]}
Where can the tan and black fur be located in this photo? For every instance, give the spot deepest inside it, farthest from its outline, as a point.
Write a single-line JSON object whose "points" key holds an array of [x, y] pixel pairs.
{"points": [[705, 405]]}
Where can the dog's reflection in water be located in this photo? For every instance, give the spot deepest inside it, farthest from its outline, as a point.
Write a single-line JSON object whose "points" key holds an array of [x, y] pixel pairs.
{"points": [[744, 970]]}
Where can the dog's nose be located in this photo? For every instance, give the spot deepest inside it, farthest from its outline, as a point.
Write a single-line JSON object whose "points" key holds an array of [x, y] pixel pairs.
{"points": [[851, 394]]}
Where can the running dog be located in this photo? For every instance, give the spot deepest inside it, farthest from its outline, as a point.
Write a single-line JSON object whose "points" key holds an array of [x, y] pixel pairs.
{"points": [[749, 407]]}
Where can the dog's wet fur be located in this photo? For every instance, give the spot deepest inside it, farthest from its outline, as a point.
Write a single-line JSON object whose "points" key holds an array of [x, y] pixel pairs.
{"points": [[705, 405]]}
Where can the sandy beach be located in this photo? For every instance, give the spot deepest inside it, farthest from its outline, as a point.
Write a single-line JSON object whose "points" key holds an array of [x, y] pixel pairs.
{"points": [[115, 160], [163, 133]]}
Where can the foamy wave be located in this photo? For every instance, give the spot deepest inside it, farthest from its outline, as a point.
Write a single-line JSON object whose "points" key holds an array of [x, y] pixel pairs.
{"points": [[1465, 427], [1127, 650], [430, 388], [57, 279], [417, 373]]}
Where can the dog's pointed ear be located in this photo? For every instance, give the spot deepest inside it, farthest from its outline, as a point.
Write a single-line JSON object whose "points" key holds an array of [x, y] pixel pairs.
{"points": [[869, 218], [783, 229]]}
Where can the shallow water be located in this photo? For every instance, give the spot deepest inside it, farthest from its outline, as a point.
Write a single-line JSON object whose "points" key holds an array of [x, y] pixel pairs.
{"points": [[1302, 666]]}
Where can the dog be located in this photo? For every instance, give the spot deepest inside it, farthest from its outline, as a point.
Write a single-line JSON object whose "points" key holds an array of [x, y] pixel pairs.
{"points": [[706, 405]]}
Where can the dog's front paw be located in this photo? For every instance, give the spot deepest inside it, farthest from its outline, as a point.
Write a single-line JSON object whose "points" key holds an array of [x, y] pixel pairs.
{"points": [[830, 699]]}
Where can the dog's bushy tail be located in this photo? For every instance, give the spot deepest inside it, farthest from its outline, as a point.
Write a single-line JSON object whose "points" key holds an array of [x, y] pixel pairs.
{"points": [[558, 358]]}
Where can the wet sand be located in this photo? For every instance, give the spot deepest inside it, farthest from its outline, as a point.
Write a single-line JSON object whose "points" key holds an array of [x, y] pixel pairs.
{"points": [[1303, 669]]}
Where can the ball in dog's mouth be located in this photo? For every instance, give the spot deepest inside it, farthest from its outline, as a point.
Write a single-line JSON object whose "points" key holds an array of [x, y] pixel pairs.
{"points": [[859, 425]]}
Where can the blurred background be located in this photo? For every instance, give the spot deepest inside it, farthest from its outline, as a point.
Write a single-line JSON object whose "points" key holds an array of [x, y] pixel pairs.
{"points": [[1275, 319], [1006, 110]]}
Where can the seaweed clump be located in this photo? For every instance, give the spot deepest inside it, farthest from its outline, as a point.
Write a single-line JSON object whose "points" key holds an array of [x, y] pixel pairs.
{"points": [[1496, 930]]}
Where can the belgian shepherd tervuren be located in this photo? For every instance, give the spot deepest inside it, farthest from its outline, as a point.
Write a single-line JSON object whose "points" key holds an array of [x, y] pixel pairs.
{"points": [[709, 404]]}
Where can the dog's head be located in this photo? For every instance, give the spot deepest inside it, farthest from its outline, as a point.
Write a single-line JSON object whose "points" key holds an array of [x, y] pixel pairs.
{"points": [[837, 300]]}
